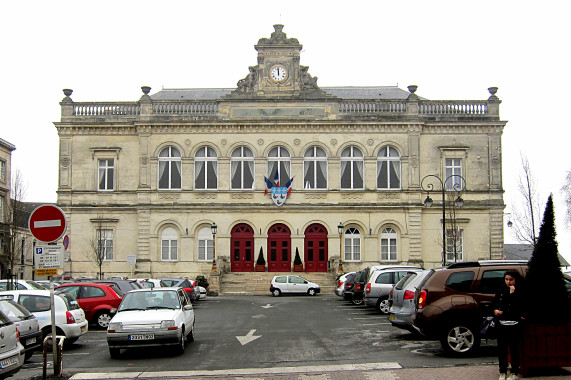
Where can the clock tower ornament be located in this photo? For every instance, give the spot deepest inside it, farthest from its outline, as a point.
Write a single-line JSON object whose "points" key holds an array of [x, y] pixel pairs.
{"points": [[278, 72]]}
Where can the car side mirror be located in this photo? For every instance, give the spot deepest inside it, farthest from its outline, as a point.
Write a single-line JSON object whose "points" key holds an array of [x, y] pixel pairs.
{"points": [[187, 307]]}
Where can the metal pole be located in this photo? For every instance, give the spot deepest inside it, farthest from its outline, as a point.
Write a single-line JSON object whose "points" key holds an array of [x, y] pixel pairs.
{"points": [[53, 316], [443, 227]]}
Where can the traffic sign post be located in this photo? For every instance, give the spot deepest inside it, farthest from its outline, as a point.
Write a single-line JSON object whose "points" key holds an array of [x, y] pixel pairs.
{"points": [[47, 223]]}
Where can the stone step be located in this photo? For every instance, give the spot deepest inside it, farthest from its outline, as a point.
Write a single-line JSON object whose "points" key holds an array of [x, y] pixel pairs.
{"points": [[258, 283]]}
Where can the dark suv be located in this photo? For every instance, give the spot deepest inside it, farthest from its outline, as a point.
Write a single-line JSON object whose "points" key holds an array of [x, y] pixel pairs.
{"points": [[452, 302]]}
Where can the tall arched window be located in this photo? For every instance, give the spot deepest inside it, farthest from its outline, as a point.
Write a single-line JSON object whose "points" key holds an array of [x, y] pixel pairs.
{"points": [[388, 168], [352, 244], [315, 168], [169, 244], [352, 164], [279, 165], [170, 164], [242, 169], [205, 244], [205, 169], [389, 244]]}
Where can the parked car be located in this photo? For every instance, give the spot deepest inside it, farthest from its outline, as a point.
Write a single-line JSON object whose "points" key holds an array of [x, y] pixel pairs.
{"points": [[70, 318], [11, 351], [27, 325], [95, 299], [184, 283], [152, 317], [349, 285], [401, 299], [452, 302], [16, 284], [125, 286], [380, 284], [340, 289], [293, 284], [151, 283]]}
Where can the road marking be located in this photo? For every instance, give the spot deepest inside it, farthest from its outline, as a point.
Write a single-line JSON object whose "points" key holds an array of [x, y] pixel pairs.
{"points": [[237, 372], [250, 337], [267, 306]]}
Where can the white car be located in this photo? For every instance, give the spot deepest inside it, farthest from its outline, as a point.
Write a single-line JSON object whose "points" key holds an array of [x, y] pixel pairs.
{"points": [[152, 317], [340, 289], [21, 284], [11, 351], [70, 318], [293, 284]]}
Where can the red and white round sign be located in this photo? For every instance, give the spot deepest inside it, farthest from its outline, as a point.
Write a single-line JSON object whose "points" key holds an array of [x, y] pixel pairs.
{"points": [[47, 223]]}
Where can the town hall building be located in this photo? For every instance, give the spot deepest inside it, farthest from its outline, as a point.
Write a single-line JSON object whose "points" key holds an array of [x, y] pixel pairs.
{"points": [[343, 176]]}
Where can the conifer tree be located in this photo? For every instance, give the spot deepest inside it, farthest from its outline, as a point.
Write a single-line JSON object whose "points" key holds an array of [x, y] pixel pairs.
{"points": [[548, 301]]}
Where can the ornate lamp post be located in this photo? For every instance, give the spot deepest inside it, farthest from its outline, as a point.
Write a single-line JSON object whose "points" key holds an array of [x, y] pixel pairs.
{"points": [[340, 230], [214, 229], [459, 202]]}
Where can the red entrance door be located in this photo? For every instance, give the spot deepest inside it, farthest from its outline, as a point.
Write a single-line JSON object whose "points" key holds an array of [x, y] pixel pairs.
{"points": [[279, 248], [315, 245], [242, 246]]}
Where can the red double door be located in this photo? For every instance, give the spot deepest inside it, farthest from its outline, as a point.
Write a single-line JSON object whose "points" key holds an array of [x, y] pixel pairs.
{"points": [[279, 248], [242, 243], [315, 248]]}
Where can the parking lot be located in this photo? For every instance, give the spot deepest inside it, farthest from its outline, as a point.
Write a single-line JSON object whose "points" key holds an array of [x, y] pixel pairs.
{"points": [[265, 331]]}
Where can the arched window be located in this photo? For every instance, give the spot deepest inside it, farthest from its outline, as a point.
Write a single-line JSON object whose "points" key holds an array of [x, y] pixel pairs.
{"points": [[388, 168], [315, 169], [205, 169], [352, 164], [205, 244], [242, 169], [352, 244], [279, 165], [170, 164], [169, 244], [389, 244]]}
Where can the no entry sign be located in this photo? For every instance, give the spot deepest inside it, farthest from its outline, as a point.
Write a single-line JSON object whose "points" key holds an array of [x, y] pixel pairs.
{"points": [[47, 223]]}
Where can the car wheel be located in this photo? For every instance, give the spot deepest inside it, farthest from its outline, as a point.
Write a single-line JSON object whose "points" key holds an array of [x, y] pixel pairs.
{"points": [[114, 352], [102, 319], [190, 336], [311, 292], [179, 349], [357, 301], [460, 340], [383, 306], [276, 292]]}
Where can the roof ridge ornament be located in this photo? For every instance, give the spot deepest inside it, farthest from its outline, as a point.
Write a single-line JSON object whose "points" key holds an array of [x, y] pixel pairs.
{"points": [[278, 37]]}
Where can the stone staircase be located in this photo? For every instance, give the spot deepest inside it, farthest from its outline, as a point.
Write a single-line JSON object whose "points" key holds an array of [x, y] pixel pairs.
{"points": [[258, 283]]}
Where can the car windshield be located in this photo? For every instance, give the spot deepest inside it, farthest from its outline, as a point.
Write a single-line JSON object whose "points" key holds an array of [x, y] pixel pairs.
{"points": [[156, 299]]}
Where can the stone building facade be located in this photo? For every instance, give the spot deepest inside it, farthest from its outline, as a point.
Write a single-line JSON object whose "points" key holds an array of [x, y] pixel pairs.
{"points": [[279, 165]]}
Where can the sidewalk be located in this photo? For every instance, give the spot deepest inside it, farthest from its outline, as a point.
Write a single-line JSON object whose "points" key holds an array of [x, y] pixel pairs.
{"points": [[356, 372]]}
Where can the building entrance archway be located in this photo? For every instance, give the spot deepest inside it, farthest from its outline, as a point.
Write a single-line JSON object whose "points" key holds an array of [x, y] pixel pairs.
{"points": [[279, 248], [315, 248], [242, 246]]}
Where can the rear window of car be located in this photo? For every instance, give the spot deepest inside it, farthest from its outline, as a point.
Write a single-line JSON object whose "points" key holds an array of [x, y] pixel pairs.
{"points": [[170, 282], [460, 281], [4, 320], [405, 280], [69, 300]]}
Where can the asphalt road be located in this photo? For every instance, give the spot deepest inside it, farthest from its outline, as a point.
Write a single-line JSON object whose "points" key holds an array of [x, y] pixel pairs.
{"points": [[266, 331]]}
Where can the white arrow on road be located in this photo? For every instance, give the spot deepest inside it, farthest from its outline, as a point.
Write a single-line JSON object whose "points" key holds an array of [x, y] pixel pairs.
{"points": [[267, 306], [250, 337]]}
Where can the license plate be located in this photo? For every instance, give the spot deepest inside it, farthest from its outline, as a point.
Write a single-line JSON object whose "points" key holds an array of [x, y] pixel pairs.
{"points": [[9, 362], [392, 317], [30, 341], [142, 337]]}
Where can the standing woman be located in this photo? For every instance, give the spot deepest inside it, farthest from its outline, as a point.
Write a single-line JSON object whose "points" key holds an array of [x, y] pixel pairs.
{"points": [[508, 309]]}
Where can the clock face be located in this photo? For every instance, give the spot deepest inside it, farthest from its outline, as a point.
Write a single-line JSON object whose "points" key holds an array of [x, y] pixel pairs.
{"points": [[278, 73]]}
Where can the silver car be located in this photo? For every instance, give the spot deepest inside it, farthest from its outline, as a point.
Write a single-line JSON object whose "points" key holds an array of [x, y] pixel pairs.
{"points": [[27, 325], [401, 299], [380, 284], [11, 351], [152, 317]]}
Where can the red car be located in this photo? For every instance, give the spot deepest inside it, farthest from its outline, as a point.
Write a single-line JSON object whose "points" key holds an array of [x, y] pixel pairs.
{"points": [[96, 300]]}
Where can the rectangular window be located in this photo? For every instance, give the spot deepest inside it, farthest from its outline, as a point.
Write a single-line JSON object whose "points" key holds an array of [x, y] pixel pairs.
{"points": [[106, 173], [388, 249], [2, 170], [205, 250], [105, 244], [454, 245], [2, 208], [169, 250], [453, 172]]}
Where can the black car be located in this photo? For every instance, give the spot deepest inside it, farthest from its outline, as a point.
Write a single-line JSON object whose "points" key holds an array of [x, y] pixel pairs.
{"points": [[350, 288], [184, 283]]}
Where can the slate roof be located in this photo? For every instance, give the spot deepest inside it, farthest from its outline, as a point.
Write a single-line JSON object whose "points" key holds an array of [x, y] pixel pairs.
{"points": [[523, 252], [378, 92]]}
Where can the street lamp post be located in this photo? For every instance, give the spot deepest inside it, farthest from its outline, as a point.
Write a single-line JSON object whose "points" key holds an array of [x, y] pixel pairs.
{"points": [[214, 228], [340, 230], [459, 202]]}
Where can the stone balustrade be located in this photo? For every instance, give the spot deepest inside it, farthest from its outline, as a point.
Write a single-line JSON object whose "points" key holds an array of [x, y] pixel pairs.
{"points": [[186, 108], [365, 107], [106, 109], [457, 107]]}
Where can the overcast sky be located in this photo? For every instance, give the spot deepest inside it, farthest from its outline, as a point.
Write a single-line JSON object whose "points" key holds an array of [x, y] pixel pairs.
{"points": [[106, 50]]}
